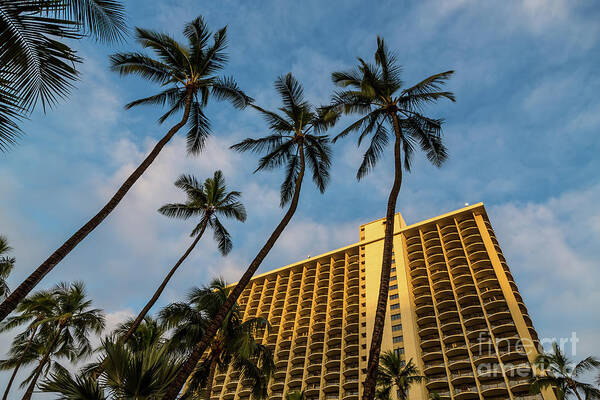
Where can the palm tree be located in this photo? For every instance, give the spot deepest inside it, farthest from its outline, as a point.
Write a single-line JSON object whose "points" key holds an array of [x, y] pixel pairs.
{"points": [[560, 374], [296, 140], [206, 202], [295, 395], [33, 312], [36, 62], [72, 320], [188, 73], [235, 343], [395, 373], [6, 266], [126, 374], [375, 92]]}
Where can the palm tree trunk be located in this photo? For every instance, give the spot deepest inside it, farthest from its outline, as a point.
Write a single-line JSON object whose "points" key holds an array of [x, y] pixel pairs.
{"points": [[188, 366], [211, 376], [41, 365], [162, 286], [14, 374], [386, 265], [36, 276]]}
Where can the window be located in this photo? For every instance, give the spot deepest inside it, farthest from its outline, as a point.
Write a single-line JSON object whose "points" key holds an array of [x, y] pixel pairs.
{"points": [[399, 352], [394, 287], [393, 269], [394, 306], [398, 339], [395, 317], [393, 278], [397, 327], [393, 296]]}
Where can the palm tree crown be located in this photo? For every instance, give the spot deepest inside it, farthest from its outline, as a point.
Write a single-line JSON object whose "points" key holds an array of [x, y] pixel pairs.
{"points": [[560, 373], [36, 63], [207, 201], [6, 266], [188, 72], [376, 93], [296, 138], [396, 373], [235, 343]]}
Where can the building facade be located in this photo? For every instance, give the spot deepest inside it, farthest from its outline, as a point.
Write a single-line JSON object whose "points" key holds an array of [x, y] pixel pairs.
{"points": [[453, 308]]}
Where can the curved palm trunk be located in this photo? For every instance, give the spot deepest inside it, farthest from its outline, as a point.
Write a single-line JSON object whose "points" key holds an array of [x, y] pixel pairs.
{"points": [[41, 365], [36, 276], [187, 367], [386, 265], [162, 286], [19, 363]]}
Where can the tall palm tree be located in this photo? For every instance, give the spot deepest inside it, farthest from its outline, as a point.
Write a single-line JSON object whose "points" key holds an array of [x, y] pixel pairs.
{"points": [[73, 320], [6, 266], [235, 343], [206, 202], [188, 72], [127, 374], [560, 373], [375, 92], [36, 63], [296, 140], [395, 373], [32, 312]]}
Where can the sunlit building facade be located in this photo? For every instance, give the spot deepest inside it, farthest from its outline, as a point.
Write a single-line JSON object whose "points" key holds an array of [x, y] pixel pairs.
{"points": [[454, 309]]}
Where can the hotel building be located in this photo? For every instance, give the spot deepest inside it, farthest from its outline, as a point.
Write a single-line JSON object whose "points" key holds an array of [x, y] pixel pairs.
{"points": [[454, 309]]}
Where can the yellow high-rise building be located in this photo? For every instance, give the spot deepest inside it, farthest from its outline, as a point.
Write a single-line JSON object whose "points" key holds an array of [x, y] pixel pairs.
{"points": [[453, 308]]}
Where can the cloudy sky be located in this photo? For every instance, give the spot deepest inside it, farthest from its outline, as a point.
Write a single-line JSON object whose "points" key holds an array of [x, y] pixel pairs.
{"points": [[523, 138]]}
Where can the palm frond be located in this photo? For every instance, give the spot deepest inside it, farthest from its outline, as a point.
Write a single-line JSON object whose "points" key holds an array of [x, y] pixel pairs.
{"points": [[373, 153], [221, 235], [136, 63], [228, 89], [199, 129], [289, 183]]}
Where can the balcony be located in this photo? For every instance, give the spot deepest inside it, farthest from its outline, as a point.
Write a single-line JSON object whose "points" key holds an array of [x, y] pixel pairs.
{"points": [[493, 389], [436, 381]]}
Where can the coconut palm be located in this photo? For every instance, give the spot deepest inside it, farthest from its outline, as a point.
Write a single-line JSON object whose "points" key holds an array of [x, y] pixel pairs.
{"points": [[396, 374], [36, 62], [188, 73], [297, 140], [32, 312], [206, 202], [295, 395], [126, 374], [235, 343], [375, 92], [6, 266], [72, 320], [561, 374]]}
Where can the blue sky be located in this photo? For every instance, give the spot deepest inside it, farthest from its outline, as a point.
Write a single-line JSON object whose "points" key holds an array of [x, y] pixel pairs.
{"points": [[522, 136]]}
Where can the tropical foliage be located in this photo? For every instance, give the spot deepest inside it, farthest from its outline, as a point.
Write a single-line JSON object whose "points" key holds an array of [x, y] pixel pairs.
{"points": [[234, 345], [37, 62], [395, 374], [387, 111], [564, 376], [6, 266]]}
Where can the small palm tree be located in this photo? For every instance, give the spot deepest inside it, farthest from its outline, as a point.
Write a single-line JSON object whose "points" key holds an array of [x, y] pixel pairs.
{"points": [[188, 72], [126, 374], [72, 320], [36, 62], [375, 92], [235, 343], [6, 266], [395, 373], [207, 202], [561, 375], [297, 140], [32, 312], [295, 395]]}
